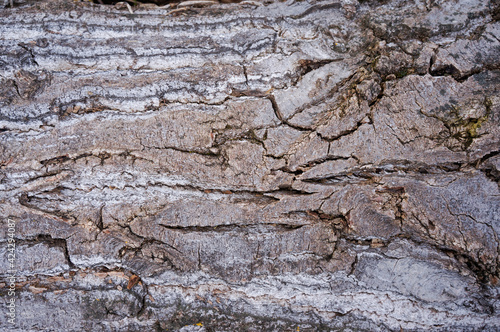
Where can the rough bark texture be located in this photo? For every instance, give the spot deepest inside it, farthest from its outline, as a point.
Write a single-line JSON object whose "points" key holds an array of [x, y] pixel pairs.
{"points": [[307, 165]]}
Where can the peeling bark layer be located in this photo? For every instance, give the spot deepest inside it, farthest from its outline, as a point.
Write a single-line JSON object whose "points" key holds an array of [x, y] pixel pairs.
{"points": [[265, 167]]}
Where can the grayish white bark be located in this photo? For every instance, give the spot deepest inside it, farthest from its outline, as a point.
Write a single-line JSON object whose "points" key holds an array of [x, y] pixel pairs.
{"points": [[309, 165]]}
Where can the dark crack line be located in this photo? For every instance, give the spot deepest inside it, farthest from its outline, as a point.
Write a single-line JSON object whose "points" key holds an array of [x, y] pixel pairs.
{"points": [[232, 227]]}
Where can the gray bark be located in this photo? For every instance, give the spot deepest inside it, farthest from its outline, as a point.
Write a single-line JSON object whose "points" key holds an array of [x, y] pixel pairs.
{"points": [[300, 165]]}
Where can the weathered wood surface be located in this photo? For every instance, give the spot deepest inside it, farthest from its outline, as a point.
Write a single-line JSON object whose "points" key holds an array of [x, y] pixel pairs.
{"points": [[305, 165]]}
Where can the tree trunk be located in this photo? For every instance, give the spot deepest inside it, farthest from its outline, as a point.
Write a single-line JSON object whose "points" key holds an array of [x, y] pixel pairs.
{"points": [[300, 165]]}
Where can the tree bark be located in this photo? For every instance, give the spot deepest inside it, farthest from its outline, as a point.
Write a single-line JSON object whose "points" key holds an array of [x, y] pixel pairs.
{"points": [[300, 165]]}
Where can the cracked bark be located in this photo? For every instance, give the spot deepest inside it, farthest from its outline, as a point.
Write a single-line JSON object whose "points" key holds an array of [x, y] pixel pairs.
{"points": [[256, 166]]}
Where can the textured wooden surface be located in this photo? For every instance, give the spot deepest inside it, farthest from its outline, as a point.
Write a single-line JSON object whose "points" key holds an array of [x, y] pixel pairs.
{"points": [[308, 165]]}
